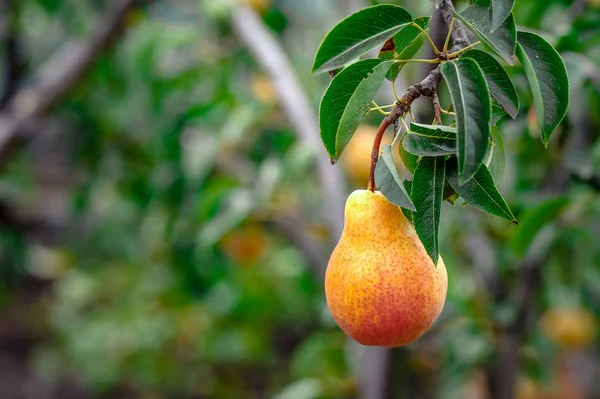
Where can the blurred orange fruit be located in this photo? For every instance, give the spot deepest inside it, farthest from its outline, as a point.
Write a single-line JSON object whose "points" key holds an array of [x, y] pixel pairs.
{"points": [[569, 327], [246, 244], [356, 158], [263, 89]]}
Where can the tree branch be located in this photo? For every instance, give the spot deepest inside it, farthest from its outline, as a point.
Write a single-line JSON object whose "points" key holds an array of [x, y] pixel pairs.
{"points": [[56, 77], [503, 376], [269, 53], [428, 86]]}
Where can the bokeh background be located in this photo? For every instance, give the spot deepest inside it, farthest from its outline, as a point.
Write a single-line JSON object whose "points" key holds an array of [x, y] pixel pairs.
{"points": [[167, 212]]}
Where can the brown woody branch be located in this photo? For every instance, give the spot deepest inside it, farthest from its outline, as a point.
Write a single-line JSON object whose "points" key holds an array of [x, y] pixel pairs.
{"points": [[427, 87]]}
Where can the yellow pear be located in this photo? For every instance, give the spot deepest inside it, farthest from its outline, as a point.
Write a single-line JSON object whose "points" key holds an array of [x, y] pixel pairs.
{"points": [[381, 286], [569, 327]]}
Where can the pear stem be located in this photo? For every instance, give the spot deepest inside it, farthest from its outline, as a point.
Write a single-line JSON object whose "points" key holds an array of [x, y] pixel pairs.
{"points": [[387, 121]]}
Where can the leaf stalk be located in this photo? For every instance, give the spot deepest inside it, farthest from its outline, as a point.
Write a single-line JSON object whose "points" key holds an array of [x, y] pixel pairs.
{"points": [[435, 49]]}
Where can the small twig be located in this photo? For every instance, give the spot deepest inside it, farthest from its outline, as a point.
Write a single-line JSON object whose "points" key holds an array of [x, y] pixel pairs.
{"points": [[395, 91], [431, 61], [375, 153], [427, 87], [449, 35], [412, 116], [433, 46], [460, 38], [404, 124], [462, 50], [380, 108]]}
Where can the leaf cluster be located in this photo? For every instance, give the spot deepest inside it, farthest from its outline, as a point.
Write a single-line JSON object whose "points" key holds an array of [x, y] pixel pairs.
{"points": [[463, 158]]}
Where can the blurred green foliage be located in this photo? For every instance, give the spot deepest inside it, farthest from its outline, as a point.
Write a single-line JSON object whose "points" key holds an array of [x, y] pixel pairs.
{"points": [[174, 141]]}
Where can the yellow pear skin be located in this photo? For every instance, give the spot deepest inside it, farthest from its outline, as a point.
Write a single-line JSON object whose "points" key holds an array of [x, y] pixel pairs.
{"points": [[381, 286]]}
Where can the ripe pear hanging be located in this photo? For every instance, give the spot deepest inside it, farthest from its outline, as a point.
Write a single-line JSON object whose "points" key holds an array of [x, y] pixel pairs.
{"points": [[381, 286]]}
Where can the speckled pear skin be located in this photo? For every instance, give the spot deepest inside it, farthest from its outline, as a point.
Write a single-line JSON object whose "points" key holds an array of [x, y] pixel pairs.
{"points": [[381, 286]]}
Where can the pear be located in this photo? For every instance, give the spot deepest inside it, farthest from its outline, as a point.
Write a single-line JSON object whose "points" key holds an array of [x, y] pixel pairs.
{"points": [[381, 286]]}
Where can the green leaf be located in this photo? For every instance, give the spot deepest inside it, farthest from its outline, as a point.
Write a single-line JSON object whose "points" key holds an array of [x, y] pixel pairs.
{"points": [[548, 80], [480, 191], [404, 45], [430, 140], [427, 194], [496, 166], [488, 155], [347, 101], [504, 38], [407, 213], [499, 83], [472, 105], [433, 131], [409, 160], [497, 113], [534, 220], [359, 33], [389, 182], [501, 9]]}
